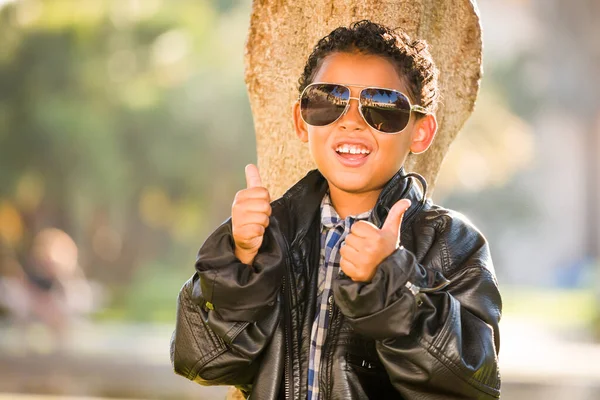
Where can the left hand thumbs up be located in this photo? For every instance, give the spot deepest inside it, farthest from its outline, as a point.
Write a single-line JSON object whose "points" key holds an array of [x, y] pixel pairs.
{"points": [[366, 246], [394, 219]]}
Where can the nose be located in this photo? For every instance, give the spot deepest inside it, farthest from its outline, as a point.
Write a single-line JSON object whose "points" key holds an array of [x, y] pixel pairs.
{"points": [[352, 119]]}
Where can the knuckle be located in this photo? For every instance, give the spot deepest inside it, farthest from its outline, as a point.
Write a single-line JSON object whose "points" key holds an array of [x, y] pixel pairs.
{"points": [[350, 239], [344, 266], [265, 220], [265, 207], [249, 192], [261, 192], [358, 275], [363, 275], [258, 230], [240, 194], [242, 233], [237, 218]]}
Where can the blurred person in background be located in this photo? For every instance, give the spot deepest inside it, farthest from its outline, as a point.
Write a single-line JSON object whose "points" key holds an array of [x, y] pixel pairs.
{"points": [[48, 287]]}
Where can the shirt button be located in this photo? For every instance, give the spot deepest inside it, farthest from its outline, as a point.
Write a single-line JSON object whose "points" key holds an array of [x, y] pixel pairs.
{"points": [[330, 300]]}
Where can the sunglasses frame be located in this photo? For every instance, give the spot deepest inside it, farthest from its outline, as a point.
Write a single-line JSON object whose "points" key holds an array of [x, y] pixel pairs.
{"points": [[413, 107]]}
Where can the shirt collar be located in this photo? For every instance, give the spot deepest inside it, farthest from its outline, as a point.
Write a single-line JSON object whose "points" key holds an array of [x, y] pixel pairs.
{"points": [[305, 196], [330, 217]]}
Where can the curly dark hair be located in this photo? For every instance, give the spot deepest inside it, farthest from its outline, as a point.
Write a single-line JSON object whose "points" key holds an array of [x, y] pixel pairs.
{"points": [[410, 57]]}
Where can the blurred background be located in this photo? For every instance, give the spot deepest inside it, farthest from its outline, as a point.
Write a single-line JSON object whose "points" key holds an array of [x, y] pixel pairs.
{"points": [[124, 130]]}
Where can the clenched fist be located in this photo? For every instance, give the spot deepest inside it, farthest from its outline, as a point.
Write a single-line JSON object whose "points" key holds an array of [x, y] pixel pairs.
{"points": [[366, 246], [250, 214]]}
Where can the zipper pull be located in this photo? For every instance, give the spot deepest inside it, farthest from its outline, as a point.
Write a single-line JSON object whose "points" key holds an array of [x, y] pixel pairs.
{"points": [[414, 289]]}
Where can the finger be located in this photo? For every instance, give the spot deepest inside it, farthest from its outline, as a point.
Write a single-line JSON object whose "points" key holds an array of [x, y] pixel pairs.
{"points": [[353, 271], [253, 218], [348, 252], [347, 266], [255, 205], [354, 241], [252, 176], [363, 229], [394, 217], [249, 232], [257, 192]]}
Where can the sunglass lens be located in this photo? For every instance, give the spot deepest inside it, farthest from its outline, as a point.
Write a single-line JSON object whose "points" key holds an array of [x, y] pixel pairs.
{"points": [[385, 110], [322, 104]]}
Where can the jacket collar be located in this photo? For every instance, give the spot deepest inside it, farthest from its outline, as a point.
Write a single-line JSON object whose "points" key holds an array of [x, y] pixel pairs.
{"points": [[304, 198]]}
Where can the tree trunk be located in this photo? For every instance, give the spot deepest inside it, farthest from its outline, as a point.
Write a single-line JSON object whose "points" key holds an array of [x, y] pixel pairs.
{"points": [[281, 37]]}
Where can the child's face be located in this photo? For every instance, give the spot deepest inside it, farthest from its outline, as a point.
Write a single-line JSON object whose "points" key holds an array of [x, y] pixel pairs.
{"points": [[361, 173]]}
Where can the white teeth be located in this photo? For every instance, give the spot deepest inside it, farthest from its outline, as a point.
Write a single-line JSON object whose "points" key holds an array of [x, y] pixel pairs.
{"points": [[352, 149]]}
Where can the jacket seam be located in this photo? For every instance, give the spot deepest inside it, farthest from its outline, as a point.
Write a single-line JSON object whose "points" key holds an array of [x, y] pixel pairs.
{"points": [[476, 266], [444, 251], [480, 268], [457, 369], [212, 291], [224, 378], [202, 362], [486, 271], [220, 348], [443, 337], [235, 330]]}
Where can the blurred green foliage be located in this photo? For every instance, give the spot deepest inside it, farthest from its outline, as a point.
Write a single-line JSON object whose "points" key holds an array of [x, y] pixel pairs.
{"points": [[125, 124]]}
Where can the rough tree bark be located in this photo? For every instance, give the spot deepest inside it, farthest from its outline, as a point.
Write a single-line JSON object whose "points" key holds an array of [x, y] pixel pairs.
{"points": [[281, 36]]}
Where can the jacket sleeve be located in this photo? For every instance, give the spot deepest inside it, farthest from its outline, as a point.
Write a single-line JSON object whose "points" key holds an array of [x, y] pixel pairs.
{"points": [[228, 311], [434, 336]]}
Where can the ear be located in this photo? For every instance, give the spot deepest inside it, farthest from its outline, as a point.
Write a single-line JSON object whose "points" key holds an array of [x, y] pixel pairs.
{"points": [[423, 133], [299, 124]]}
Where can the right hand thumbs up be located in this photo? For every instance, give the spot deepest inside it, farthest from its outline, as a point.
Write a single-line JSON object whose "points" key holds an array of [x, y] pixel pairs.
{"points": [[252, 176], [250, 214]]}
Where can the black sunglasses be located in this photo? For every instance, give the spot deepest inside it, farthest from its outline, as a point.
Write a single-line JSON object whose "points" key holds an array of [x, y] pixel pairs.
{"points": [[385, 110]]}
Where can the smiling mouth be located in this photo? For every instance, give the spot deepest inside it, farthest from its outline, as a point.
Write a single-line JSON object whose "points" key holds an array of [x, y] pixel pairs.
{"points": [[352, 155], [347, 150]]}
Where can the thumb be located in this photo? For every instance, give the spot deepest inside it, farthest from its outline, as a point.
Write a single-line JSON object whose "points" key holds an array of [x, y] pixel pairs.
{"points": [[252, 176], [394, 217]]}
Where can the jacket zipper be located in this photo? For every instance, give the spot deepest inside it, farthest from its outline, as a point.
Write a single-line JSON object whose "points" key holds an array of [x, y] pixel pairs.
{"points": [[287, 331], [287, 369], [332, 334]]}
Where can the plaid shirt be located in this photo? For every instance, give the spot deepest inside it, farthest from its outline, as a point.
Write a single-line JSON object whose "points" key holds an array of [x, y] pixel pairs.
{"points": [[333, 232]]}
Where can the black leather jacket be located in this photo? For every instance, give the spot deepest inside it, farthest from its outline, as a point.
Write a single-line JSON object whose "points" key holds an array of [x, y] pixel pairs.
{"points": [[425, 327]]}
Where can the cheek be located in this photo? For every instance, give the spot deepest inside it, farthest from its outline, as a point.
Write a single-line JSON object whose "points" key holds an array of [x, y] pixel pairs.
{"points": [[389, 145], [317, 142], [392, 151]]}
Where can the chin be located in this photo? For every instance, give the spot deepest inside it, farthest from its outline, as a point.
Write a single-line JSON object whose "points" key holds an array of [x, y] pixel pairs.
{"points": [[351, 185]]}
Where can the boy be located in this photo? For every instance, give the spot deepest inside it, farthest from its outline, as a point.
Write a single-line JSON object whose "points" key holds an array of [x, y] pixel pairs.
{"points": [[352, 285]]}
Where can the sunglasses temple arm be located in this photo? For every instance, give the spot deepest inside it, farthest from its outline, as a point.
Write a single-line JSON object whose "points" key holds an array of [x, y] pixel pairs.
{"points": [[419, 109]]}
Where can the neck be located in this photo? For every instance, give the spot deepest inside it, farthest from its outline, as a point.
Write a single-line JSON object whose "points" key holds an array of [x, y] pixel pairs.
{"points": [[346, 204]]}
